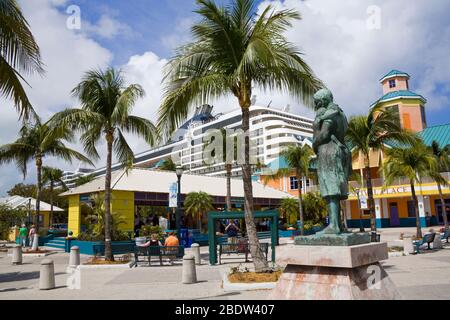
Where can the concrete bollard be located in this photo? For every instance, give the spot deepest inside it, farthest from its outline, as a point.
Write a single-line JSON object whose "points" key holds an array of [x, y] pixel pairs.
{"points": [[16, 255], [47, 275], [408, 247], [74, 259], [196, 252], [437, 243], [189, 274]]}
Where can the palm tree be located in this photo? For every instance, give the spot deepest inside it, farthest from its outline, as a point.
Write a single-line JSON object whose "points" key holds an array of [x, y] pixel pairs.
{"points": [[371, 133], [84, 179], [105, 113], [197, 204], [168, 165], [442, 156], [35, 143], [19, 53], [289, 206], [52, 176], [234, 49], [228, 157], [298, 158], [412, 162]]}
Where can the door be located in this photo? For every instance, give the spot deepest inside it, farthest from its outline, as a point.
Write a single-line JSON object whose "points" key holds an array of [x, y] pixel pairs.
{"points": [[395, 220]]}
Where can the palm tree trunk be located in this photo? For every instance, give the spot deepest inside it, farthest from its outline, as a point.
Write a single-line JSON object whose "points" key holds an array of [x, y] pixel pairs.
{"points": [[259, 260], [300, 205], [371, 202], [444, 211], [51, 204], [108, 245], [228, 167], [416, 209], [38, 201]]}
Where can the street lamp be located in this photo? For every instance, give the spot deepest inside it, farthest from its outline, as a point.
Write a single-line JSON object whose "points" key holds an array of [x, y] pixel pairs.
{"points": [[179, 172]]}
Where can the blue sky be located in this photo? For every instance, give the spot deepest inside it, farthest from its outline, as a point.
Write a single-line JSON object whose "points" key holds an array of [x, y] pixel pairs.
{"points": [[349, 44], [151, 21]]}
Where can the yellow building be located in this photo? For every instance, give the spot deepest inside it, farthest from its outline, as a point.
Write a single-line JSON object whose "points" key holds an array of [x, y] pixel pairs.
{"points": [[138, 188]]}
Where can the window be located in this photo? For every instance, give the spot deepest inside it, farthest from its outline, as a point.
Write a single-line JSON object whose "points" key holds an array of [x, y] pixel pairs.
{"points": [[293, 183], [392, 83], [411, 209], [424, 118]]}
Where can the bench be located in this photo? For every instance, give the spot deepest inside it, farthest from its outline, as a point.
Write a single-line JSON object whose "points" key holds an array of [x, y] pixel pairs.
{"points": [[157, 251], [99, 249], [427, 239], [240, 248]]}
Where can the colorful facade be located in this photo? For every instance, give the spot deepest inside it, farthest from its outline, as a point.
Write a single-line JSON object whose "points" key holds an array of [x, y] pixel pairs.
{"points": [[139, 188], [393, 204]]}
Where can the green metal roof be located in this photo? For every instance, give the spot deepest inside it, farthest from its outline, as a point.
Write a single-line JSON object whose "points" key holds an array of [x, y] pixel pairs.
{"points": [[440, 134], [394, 73], [401, 94]]}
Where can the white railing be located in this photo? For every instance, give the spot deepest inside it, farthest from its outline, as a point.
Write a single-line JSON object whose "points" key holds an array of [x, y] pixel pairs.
{"points": [[379, 182]]}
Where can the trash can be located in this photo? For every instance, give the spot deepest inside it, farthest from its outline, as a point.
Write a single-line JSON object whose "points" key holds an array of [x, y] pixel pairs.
{"points": [[184, 237]]}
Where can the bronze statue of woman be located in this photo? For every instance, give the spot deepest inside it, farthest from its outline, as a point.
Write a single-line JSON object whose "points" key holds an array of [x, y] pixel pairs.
{"points": [[334, 161]]}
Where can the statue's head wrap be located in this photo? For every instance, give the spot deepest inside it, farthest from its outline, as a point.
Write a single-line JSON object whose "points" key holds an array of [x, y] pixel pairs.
{"points": [[322, 98]]}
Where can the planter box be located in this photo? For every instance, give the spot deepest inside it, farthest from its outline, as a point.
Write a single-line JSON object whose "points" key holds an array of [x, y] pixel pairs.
{"points": [[233, 287]]}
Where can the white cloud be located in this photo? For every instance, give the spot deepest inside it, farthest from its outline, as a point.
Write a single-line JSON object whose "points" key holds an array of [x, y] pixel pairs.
{"points": [[67, 55], [333, 36], [350, 58], [145, 70], [108, 27]]}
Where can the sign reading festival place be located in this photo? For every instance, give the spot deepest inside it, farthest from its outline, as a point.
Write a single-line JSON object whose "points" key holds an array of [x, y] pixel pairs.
{"points": [[173, 195]]}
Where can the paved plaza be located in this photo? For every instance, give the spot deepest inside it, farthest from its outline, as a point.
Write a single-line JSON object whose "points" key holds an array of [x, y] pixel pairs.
{"points": [[423, 276]]}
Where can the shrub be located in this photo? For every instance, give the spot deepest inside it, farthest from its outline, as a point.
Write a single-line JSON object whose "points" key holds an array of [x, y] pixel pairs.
{"points": [[147, 231], [314, 207], [10, 217]]}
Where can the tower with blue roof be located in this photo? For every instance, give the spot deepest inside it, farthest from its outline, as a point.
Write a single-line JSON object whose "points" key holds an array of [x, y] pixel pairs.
{"points": [[410, 105]]}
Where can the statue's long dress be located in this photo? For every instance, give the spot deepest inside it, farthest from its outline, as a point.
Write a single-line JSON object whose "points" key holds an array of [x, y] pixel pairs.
{"points": [[334, 162]]}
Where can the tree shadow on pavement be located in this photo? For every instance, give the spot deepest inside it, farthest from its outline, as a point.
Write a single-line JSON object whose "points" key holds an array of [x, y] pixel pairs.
{"points": [[22, 276]]}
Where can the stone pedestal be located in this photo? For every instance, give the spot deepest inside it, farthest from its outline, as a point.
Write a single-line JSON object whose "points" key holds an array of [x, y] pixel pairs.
{"points": [[334, 273]]}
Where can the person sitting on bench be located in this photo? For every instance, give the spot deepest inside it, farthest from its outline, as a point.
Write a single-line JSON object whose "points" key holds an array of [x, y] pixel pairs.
{"points": [[232, 232], [172, 241], [153, 241]]}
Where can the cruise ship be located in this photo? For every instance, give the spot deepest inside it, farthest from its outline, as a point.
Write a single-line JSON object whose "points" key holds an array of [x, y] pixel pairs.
{"points": [[271, 130]]}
